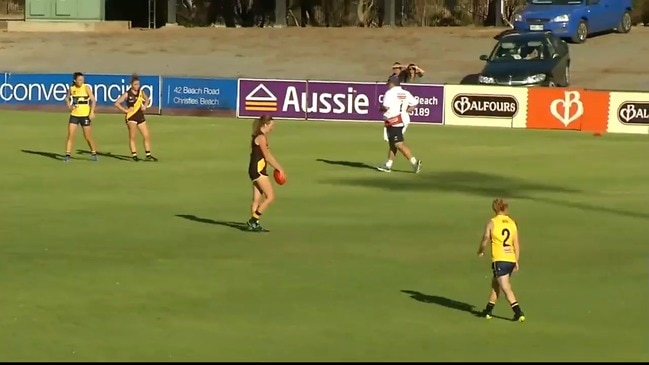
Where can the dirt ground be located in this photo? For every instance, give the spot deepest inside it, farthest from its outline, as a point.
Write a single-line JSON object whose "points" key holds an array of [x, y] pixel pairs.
{"points": [[611, 61]]}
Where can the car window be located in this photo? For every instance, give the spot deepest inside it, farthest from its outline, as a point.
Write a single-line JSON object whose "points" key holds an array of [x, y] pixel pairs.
{"points": [[556, 44], [562, 47], [559, 46], [521, 49], [551, 49]]}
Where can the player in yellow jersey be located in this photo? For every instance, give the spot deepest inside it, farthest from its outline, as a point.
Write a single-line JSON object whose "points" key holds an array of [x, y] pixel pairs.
{"points": [[502, 232], [81, 102]]}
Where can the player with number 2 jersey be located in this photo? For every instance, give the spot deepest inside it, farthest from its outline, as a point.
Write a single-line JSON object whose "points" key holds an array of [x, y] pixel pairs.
{"points": [[502, 232]]}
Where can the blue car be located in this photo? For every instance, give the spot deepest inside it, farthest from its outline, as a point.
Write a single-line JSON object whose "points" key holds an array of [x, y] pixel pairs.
{"points": [[574, 19]]}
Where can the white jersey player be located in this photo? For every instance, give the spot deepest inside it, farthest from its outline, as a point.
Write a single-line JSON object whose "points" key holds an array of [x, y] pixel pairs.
{"points": [[397, 103]]}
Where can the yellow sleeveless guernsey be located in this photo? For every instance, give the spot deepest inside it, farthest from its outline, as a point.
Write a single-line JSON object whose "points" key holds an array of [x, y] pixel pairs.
{"points": [[502, 238], [80, 101]]}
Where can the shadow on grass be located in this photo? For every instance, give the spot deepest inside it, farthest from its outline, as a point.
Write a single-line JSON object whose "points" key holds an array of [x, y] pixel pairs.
{"points": [[486, 185], [446, 302], [353, 164], [590, 207], [234, 225], [52, 155], [475, 183], [357, 165], [106, 154]]}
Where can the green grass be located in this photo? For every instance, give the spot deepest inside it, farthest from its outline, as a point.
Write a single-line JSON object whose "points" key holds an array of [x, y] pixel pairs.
{"points": [[95, 264]]}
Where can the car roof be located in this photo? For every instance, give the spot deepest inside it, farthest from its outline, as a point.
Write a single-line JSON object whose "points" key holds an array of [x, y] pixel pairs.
{"points": [[523, 34]]}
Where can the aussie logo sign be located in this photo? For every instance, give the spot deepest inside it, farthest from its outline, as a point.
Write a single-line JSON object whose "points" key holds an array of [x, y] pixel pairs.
{"points": [[330, 100], [259, 97]]}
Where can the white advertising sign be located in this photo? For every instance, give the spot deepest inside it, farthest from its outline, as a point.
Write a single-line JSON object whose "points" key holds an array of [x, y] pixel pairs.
{"points": [[485, 106]]}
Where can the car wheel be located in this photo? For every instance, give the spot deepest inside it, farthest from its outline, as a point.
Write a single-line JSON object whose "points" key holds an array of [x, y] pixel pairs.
{"points": [[582, 33], [625, 23], [551, 84]]}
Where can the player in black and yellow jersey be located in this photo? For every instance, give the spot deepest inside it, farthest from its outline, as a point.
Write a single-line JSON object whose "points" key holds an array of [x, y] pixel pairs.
{"points": [[260, 158], [136, 102], [502, 232], [81, 102]]}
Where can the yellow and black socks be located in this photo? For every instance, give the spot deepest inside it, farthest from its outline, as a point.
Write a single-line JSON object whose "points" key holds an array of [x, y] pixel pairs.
{"points": [[255, 217], [517, 309], [489, 308]]}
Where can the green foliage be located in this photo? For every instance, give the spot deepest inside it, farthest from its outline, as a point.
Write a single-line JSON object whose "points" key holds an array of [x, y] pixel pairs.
{"points": [[345, 12]]}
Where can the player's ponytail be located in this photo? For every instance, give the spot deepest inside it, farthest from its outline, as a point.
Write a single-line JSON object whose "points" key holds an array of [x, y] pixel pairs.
{"points": [[260, 123], [499, 205], [256, 126]]}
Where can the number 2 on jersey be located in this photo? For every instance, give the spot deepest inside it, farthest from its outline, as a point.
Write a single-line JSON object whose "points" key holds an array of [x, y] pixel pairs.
{"points": [[505, 232]]}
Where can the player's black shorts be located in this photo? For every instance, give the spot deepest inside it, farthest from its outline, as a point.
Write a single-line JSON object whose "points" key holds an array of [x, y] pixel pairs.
{"points": [[502, 268], [257, 170], [395, 135], [82, 121], [138, 117]]}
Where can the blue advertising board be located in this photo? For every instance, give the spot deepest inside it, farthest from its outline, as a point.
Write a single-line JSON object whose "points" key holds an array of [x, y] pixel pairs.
{"points": [[49, 89], [199, 94]]}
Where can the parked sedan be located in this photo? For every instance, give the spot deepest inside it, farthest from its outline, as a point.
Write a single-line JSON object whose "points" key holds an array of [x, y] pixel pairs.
{"points": [[523, 58]]}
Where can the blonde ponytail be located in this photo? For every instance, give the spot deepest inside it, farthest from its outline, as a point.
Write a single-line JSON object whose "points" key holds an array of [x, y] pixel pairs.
{"points": [[259, 123]]}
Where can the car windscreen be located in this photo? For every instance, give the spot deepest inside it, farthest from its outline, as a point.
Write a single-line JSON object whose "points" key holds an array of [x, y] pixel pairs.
{"points": [[520, 49], [555, 2]]}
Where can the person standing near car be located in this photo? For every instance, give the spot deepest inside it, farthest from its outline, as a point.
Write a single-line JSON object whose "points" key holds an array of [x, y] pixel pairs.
{"points": [[397, 103], [412, 73], [397, 70]]}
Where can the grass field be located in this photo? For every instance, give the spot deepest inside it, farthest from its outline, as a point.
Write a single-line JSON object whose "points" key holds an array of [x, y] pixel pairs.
{"points": [[118, 260]]}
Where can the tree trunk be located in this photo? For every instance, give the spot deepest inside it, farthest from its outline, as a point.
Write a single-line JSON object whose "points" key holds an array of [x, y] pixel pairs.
{"points": [[490, 21], [307, 13], [450, 5], [327, 9], [226, 9]]}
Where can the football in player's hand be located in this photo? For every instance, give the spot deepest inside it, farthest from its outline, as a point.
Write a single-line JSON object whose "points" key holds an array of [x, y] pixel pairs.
{"points": [[279, 177]]}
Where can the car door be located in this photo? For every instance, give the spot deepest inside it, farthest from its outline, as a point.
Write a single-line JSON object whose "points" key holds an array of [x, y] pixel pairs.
{"points": [[560, 47], [557, 75], [614, 11], [561, 58], [598, 17]]}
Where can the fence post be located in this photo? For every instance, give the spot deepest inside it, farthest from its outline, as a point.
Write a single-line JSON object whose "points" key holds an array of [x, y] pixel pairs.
{"points": [[280, 13], [390, 13]]}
